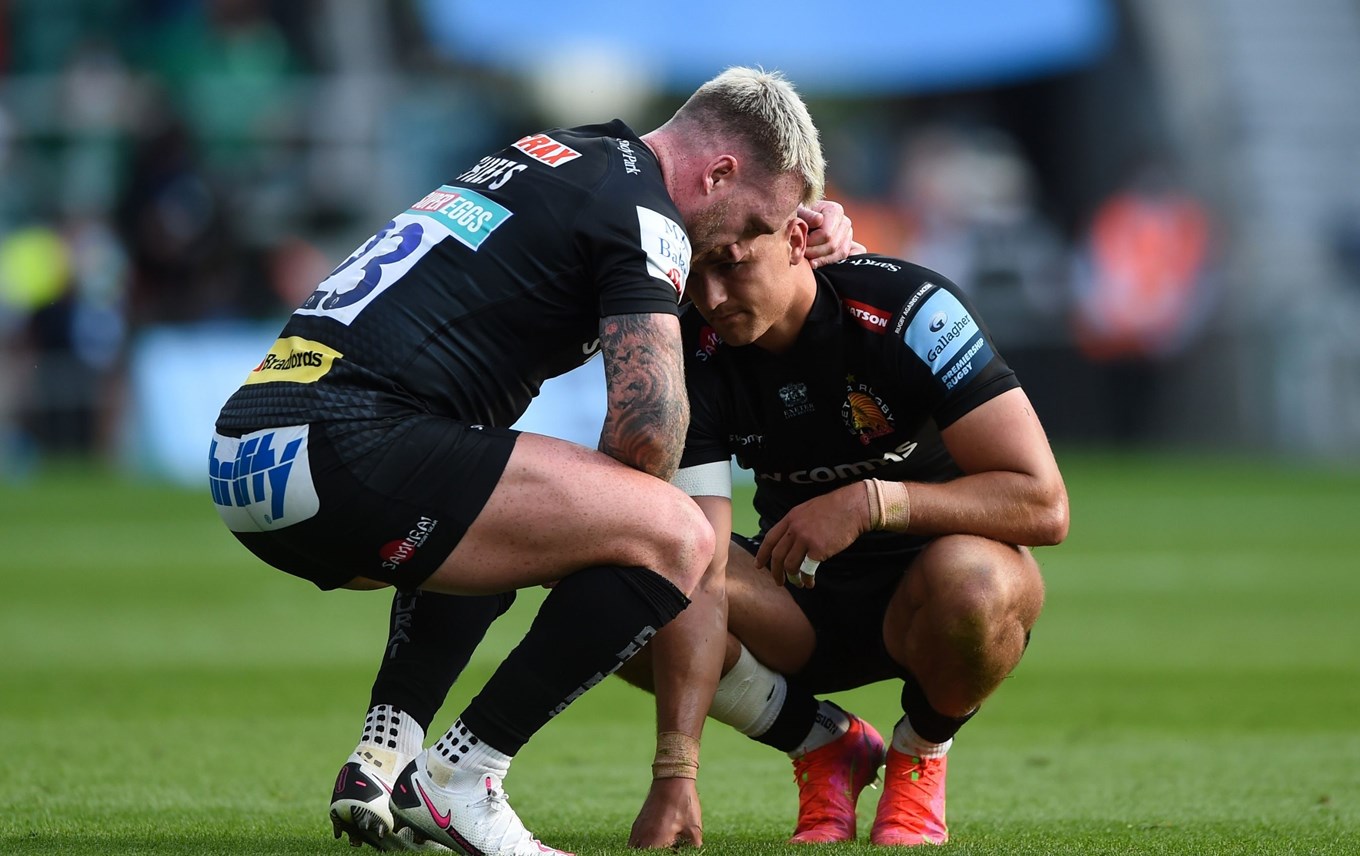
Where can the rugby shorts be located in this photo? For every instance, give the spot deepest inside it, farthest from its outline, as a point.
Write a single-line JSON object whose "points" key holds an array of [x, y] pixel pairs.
{"points": [[390, 506], [846, 609]]}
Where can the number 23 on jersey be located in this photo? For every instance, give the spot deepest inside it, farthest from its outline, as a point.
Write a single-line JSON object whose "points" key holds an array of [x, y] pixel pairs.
{"points": [[464, 215]]}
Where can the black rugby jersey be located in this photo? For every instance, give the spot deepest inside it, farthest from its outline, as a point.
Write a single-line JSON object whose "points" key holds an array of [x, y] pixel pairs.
{"points": [[465, 303], [891, 353]]}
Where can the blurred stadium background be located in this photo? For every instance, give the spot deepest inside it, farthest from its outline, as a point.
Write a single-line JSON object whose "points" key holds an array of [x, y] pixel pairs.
{"points": [[1156, 204]]}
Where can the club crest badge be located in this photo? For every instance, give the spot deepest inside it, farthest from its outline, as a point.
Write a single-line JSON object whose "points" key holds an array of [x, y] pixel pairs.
{"points": [[795, 399], [866, 415]]}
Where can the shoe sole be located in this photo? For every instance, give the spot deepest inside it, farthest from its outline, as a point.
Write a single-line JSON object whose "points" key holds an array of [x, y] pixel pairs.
{"points": [[907, 841], [369, 828], [363, 827]]}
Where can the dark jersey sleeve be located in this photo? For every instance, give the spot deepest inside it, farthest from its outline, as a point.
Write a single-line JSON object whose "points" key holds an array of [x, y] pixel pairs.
{"points": [[940, 338], [638, 250]]}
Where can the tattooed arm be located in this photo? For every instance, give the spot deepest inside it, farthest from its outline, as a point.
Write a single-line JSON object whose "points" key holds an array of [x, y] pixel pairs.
{"points": [[648, 412]]}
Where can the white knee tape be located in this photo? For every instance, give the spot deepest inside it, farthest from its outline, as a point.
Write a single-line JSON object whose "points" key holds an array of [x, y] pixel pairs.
{"points": [[749, 697]]}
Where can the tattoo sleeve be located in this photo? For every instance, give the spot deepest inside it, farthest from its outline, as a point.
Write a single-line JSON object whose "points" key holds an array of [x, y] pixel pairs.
{"points": [[648, 413]]}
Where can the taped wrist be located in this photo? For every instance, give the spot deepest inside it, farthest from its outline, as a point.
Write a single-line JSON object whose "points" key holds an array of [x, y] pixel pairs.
{"points": [[875, 504], [677, 756], [889, 505]]}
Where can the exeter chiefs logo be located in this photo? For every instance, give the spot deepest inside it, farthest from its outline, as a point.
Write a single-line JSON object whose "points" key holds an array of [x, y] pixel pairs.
{"points": [[865, 414]]}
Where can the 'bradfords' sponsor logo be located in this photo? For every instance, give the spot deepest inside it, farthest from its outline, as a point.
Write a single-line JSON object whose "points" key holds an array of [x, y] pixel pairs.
{"points": [[296, 360], [911, 304], [868, 317], [843, 472], [492, 169], [667, 247], [866, 415], [629, 158], [396, 553], [546, 150], [466, 214]]}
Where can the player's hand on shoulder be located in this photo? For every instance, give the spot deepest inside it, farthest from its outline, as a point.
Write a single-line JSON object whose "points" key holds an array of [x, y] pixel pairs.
{"points": [[830, 233], [670, 816]]}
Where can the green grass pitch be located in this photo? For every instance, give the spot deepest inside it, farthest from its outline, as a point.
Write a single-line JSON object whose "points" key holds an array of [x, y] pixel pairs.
{"points": [[1193, 685]]}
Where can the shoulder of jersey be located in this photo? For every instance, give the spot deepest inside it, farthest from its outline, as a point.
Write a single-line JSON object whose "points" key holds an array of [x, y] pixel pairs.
{"points": [[874, 290], [606, 145]]}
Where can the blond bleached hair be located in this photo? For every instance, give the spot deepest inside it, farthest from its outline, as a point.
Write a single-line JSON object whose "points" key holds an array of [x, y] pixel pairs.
{"points": [[761, 110]]}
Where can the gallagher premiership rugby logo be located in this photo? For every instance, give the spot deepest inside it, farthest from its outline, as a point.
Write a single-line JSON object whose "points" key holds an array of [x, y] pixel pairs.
{"points": [[865, 414]]}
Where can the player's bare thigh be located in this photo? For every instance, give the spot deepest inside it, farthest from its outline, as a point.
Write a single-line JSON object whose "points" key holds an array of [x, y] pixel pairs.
{"points": [[560, 507], [765, 617]]}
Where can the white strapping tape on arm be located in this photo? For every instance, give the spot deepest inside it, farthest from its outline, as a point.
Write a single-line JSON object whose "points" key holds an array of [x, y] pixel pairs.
{"points": [[713, 479]]}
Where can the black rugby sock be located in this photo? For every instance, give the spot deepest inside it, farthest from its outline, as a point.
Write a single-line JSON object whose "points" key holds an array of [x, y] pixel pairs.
{"points": [[430, 639], [794, 720], [590, 624], [925, 720]]}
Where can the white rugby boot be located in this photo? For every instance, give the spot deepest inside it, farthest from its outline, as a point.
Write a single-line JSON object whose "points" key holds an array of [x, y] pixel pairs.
{"points": [[361, 807], [470, 813]]}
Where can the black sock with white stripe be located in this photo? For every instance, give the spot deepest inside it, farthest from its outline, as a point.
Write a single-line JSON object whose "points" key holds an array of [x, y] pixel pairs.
{"points": [[591, 623]]}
